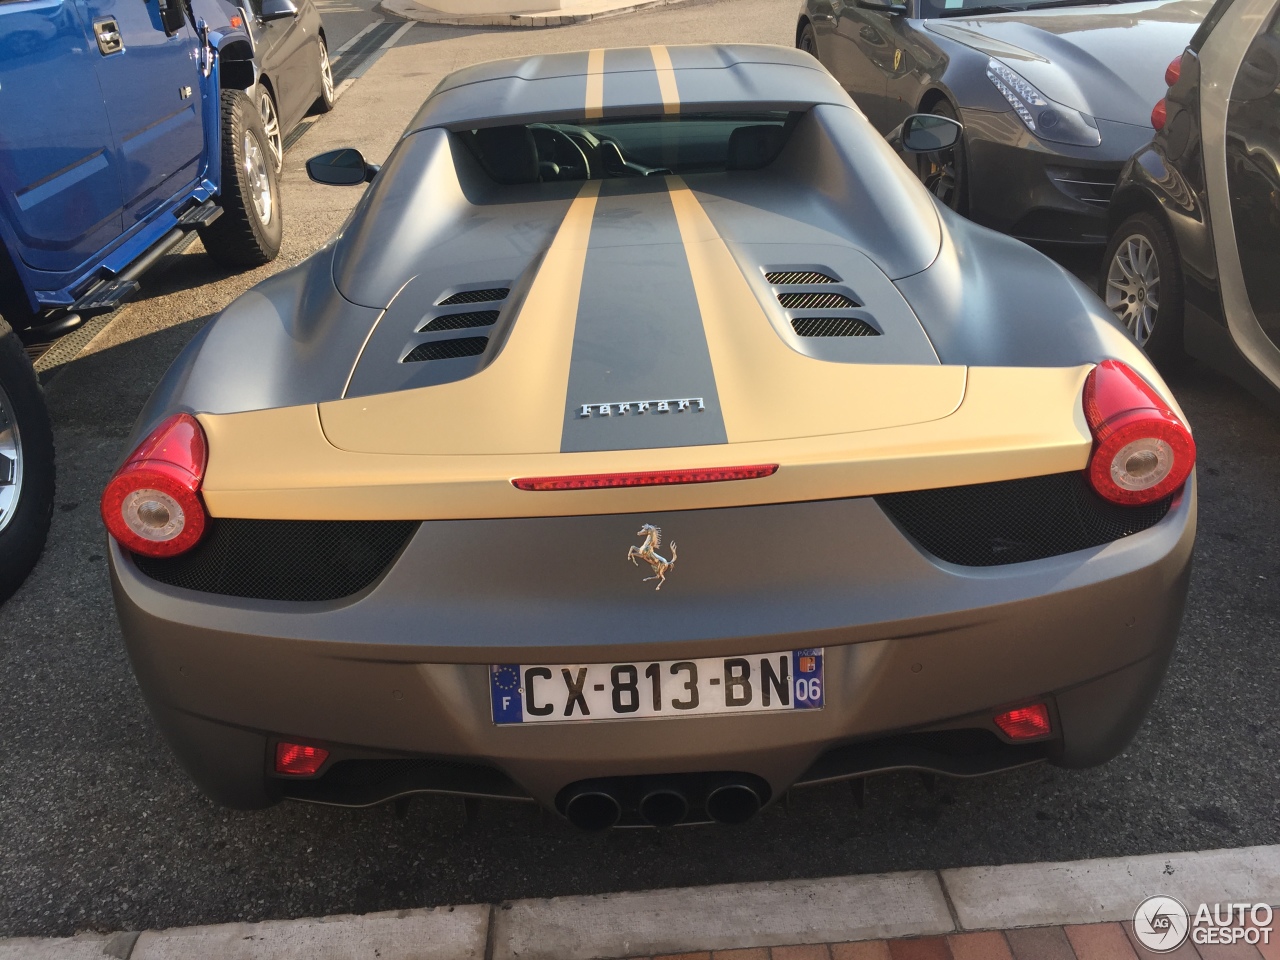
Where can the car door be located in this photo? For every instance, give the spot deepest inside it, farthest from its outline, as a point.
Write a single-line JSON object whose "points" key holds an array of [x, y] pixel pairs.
{"points": [[152, 86], [916, 63], [862, 53], [1240, 124], [58, 189], [284, 50]]}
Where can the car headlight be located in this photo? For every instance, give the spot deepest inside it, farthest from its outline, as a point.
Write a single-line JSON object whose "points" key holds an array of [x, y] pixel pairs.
{"points": [[1046, 119]]}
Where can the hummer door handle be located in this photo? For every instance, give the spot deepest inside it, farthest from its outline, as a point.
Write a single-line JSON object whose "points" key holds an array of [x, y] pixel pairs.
{"points": [[109, 39]]}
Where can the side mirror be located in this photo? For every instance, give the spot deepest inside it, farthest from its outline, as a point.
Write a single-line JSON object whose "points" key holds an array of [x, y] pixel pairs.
{"points": [[277, 10], [927, 133], [172, 16], [341, 168], [884, 6]]}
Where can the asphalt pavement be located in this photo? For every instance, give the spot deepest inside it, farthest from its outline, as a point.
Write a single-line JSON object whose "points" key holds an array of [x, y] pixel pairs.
{"points": [[99, 828]]}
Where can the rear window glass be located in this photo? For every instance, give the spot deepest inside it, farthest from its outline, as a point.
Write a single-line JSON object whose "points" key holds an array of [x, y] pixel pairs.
{"points": [[630, 147]]}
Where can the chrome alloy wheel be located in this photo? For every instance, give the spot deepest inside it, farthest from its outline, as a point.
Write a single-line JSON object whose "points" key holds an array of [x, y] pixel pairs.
{"points": [[326, 72], [10, 461], [1133, 286], [271, 126], [259, 181]]}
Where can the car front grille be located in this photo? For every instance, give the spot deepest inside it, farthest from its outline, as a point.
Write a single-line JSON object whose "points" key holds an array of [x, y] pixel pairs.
{"points": [[284, 559], [1012, 521]]}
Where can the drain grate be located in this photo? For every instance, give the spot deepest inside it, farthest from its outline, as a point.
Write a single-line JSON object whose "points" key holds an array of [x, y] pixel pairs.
{"points": [[461, 321], [448, 349], [475, 296], [817, 301], [833, 327], [791, 278]]}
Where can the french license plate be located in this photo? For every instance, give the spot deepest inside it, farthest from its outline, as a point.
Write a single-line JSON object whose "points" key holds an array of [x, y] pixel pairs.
{"points": [[558, 693]]}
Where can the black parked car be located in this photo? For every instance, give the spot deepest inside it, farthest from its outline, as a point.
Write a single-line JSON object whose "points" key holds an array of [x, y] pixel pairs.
{"points": [[1194, 259], [1054, 95]]}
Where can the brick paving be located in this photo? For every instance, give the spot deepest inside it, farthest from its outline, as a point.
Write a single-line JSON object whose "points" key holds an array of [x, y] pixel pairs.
{"points": [[1089, 941]]}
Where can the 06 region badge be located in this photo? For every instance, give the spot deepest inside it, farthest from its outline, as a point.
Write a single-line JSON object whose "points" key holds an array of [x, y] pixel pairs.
{"points": [[646, 690]]}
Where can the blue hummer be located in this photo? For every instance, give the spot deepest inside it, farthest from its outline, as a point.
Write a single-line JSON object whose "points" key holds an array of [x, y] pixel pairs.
{"points": [[124, 126]]}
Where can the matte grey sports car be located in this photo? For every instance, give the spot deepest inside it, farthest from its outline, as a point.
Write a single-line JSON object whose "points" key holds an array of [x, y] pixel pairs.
{"points": [[1054, 95], [648, 443]]}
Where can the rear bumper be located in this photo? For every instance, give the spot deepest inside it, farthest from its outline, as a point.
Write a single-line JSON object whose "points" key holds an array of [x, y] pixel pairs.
{"points": [[1042, 192], [400, 672]]}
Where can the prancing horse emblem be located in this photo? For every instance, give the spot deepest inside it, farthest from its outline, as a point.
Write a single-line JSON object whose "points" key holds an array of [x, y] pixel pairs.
{"points": [[647, 552]]}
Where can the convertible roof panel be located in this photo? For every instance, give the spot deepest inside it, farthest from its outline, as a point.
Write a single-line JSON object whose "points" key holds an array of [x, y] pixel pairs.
{"points": [[636, 80]]}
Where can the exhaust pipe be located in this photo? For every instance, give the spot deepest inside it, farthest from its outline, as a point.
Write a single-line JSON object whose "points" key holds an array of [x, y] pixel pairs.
{"points": [[593, 810], [664, 807], [733, 803]]}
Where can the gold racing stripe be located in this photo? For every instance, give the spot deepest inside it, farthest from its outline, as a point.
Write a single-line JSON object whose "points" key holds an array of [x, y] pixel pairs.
{"points": [[514, 405], [595, 85], [666, 79], [768, 391]]}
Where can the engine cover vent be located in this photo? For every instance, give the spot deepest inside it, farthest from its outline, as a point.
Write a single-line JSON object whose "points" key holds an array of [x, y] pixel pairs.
{"points": [[817, 301], [833, 327], [791, 278], [461, 321], [447, 349], [475, 296]]}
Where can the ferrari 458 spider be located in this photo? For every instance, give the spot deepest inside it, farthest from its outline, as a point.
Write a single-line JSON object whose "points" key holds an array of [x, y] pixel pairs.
{"points": [[649, 442]]}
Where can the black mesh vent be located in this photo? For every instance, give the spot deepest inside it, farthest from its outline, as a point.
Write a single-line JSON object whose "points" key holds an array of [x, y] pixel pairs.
{"points": [[816, 301], [988, 524], [284, 559], [785, 278], [448, 349], [833, 327], [475, 296], [461, 321]]}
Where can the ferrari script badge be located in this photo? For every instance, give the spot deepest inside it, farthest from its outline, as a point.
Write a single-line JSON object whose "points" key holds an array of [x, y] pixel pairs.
{"points": [[639, 407], [647, 552]]}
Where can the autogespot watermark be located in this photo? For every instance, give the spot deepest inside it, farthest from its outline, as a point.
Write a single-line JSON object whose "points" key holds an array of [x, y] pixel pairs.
{"points": [[1162, 924]]}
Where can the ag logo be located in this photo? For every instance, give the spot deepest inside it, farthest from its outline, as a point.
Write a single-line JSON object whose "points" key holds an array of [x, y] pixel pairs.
{"points": [[1161, 924]]}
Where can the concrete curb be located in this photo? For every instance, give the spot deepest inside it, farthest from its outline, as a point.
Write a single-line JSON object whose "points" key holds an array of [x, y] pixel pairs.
{"points": [[837, 909], [413, 10]]}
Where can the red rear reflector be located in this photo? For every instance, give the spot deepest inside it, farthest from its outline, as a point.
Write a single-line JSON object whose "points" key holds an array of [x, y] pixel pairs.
{"points": [[1142, 452], [1173, 71], [299, 760], [1158, 115], [659, 478], [1025, 723], [152, 505]]}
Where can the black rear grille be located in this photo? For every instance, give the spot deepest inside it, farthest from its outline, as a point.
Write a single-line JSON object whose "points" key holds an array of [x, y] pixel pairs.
{"points": [[448, 349], [462, 321], [833, 327], [284, 559], [790, 278], [1012, 521], [475, 296], [359, 783], [816, 301]]}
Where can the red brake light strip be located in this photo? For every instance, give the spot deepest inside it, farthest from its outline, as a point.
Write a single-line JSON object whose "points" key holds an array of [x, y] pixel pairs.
{"points": [[658, 478]]}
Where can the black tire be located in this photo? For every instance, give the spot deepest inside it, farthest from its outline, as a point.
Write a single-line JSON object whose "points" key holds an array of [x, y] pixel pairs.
{"points": [[808, 41], [1126, 287], [24, 525], [243, 236], [324, 103], [945, 174]]}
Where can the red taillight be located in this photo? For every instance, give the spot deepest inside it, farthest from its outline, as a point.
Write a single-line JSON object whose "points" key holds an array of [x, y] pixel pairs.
{"points": [[1173, 71], [606, 481], [1025, 723], [152, 505], [1158, 113], [299, 760], [1142, 452]]}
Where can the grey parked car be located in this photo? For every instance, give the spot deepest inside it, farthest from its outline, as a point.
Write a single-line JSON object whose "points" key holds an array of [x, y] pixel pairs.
{"points": [[1054, 96]]}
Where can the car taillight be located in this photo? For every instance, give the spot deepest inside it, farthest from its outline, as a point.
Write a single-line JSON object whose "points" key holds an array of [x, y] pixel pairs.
{"points": [[152, 505], [1158, 114], [1025, 723], [1173, 71], [299, 760], [1142, 452]]}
